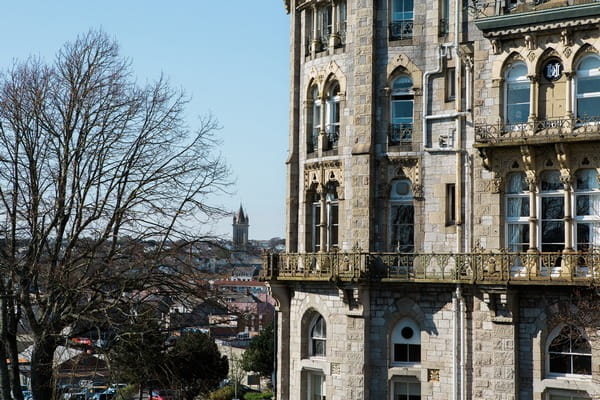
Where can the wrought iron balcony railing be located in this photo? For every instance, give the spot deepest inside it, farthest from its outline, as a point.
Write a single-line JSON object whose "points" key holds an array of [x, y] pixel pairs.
{"points": [[547, 130], [401, 29], [333, 135], [468, 268], [400, 134]]}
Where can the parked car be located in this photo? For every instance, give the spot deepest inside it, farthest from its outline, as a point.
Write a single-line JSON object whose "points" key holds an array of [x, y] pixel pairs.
{"points": [[90, 392], [162, 394]]}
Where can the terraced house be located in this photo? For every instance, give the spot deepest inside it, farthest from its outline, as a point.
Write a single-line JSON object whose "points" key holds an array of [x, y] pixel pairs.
{"points": [[443, 208]]}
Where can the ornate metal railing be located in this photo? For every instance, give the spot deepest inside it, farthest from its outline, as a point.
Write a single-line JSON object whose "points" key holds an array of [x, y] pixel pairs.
{"points": [[401, 29], [472, 268], [333, 135], [400, 134], [556, 129]]}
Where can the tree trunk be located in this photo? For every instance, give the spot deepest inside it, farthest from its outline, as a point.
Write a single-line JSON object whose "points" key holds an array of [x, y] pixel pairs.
{"points": [[4, 376], [13, 352], [42, 367]]}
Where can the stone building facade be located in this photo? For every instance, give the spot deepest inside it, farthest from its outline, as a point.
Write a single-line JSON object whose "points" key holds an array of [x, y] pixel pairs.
{"points": [[443, 208]]}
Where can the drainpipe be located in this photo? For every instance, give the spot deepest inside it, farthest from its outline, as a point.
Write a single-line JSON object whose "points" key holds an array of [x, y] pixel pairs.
{"points": [[462, 345], [458, 345], [442, 52], [455, 344]]}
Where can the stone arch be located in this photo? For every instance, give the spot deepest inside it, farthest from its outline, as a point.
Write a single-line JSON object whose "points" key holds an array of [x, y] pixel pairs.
{"points": [[402, 64], [308, 316], [583, 51], [333, 72]]}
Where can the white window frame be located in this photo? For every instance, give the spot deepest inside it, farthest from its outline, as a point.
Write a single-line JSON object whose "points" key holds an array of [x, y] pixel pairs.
{"points": [[402, 95], [316, 122], [591, 218], [333, 218], [560, 394], [312, 337], [398, 199], [332, 114], [547, 194], [521, 220], [410, 383], [581, 75], [554, 334], [397, 337], [402, 15], [316, 222], [520, 80], [314, 380]]}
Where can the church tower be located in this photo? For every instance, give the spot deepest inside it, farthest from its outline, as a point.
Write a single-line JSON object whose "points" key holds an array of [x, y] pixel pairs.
{"points": [[240, 228]]}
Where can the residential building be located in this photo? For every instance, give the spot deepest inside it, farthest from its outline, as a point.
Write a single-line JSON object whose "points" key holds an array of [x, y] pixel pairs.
{"points": [[442, 202]]}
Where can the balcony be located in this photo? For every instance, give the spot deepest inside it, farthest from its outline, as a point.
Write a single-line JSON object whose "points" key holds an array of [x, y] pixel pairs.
{"points": [[401, 29], [530, 12], [332, 131], [552, 130], [498, 268], [399, 134]]}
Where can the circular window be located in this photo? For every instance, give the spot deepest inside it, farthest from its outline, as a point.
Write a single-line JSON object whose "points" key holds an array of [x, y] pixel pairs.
{"points": [[407, 332], [402, 188]]}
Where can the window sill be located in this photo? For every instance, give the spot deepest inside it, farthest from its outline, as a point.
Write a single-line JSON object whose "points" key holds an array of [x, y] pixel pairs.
{"points": [[316, 364], [582, 383], [405, 369]]}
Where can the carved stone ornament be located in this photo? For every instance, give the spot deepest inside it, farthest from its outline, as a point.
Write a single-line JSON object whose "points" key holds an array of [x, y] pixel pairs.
{"points": [[530, 42], [496, 46], [318, 175], [402, 167], [496, 184]]}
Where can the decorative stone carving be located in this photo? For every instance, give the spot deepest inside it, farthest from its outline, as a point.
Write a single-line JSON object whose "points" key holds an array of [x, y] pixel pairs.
{"points": [[565, 37], [530, 42], [318, 175], [402, 167], [496, 46]]}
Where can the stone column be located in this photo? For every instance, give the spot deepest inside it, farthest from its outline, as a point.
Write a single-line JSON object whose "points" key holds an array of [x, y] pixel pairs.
{"points": [[533, 97], [333, 36], [569, 95], [566, 181], [281, 294], [315, 41], [533, 242]]}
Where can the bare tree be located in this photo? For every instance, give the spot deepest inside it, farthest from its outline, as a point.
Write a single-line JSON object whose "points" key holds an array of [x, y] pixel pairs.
{"points": [[92, 167]]}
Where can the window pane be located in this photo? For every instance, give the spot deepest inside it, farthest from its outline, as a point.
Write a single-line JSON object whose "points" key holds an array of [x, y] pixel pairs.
{"points": [[560, 363], [517, 207], [582, 365], [402, 111], [400, 352], [551, 181], [518, 237], [588, 85], [516, 183], [403, 84], [517, 113], [586, 179], [414, 353], [553, 232], [518, 93], [553, 207], [589, 107]]}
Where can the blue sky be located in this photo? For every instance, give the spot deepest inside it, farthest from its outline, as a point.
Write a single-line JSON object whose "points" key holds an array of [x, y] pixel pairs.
{"points": [[231, 57]]}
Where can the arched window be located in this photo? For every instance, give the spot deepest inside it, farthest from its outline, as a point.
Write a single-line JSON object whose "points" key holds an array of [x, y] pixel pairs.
{"points": [[332, 204], [516, 94], [569, 352], [587, 209], [402, 217], [333, 116], [316, 222], [406, 342], [517, 212], [401, 110], [552, 207], [314, 120], [401, 21], [587, 83], [318, 337]]}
